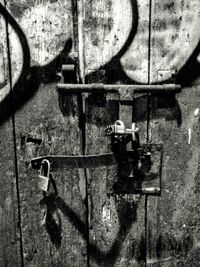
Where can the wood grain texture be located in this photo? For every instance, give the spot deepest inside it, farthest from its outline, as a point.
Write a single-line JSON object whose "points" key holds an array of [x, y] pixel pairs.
{"points": [[53, 227], [116, 222], [172, 217], [9, 220]]}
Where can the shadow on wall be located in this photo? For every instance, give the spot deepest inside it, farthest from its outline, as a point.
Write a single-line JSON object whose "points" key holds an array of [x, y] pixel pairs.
{"points": [[165, 242], [31, 77], [54, 203], [191, 70]]}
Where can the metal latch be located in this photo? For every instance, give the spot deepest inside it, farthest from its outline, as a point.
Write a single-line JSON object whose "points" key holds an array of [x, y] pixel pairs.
{"points": [[141, 175], [133, 170]]}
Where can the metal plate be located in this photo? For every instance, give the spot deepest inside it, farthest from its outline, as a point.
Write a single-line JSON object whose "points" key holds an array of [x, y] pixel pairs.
{"points": [[146, 180]]}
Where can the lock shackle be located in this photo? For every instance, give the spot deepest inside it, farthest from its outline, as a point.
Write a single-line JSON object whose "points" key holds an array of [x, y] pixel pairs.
{"points": [[45, 168], [120, 123]]}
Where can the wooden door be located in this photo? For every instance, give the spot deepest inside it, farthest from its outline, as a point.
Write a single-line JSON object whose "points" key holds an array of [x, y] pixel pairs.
{"points": [[80, 222]]}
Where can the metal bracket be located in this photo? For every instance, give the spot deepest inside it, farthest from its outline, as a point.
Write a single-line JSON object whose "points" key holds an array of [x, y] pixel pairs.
{"points": [[138, 169], [128, 177], [143, 175], [136, 166]]}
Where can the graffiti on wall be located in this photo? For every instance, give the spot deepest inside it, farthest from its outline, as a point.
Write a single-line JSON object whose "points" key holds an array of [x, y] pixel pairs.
{"points": [[117, 33]]}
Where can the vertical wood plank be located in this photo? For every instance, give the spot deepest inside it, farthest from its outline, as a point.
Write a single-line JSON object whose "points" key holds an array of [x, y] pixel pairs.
{"points": [[172, 217], [172, 226], [53, 227], [9, 214], [116, 222]]}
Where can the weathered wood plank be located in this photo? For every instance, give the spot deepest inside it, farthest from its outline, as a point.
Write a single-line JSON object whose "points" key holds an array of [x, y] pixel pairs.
{"points": [[116, 222], [172, 217], [9, 214], [53, 227]]}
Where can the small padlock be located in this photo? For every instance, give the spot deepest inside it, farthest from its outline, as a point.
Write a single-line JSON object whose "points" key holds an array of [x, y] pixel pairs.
{"points": [[118, 128], [44, 176]]}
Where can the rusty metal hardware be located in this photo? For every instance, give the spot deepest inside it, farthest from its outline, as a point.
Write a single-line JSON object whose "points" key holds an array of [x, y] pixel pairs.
{"points": [[44, 176], [143, 159], [138, 167], [134, 177], [150, 170], [142, 176], [82, 162], [118, 88]]}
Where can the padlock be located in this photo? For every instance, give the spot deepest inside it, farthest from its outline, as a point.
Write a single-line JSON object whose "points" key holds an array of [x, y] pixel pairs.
{"points": [[44, 176], [118, 128]]}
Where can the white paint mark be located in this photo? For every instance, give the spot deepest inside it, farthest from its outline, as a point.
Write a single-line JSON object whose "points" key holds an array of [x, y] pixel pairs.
{"points": [[184, 225], [189, 135], [166, 190], [106, 215], [196, 112]]}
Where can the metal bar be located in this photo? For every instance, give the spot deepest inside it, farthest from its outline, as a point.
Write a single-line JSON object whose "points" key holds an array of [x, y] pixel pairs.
{"points": [[83, 161], [136, 88]]}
